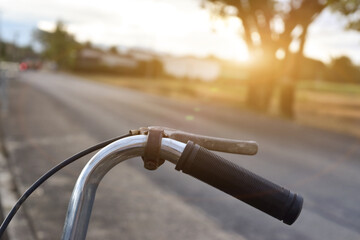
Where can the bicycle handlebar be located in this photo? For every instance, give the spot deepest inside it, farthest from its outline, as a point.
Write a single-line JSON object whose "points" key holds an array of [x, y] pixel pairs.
{"points": [[191, 159], [240, 183]]}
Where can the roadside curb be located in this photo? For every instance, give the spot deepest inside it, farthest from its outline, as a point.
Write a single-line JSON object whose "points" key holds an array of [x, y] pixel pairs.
{"points": [[19, 228]]}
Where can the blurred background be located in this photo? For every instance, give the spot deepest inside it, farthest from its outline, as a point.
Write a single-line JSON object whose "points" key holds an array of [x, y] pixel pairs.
{"points": [[282, 57], [285, 73]]}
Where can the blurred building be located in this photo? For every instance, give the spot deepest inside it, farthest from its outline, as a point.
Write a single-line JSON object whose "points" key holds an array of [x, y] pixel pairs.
{"points": [[96, 60], [144, 63], [191, 68]]}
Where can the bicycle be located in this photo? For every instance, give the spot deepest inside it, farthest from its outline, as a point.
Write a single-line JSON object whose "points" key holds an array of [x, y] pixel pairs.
{"points": [[191, 154]]}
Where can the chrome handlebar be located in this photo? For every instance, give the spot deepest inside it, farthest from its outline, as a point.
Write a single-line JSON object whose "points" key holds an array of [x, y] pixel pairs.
{"points": [[83, 195]]}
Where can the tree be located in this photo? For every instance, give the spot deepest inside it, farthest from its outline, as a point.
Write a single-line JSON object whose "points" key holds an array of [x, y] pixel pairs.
{"points": [[342, 70], [88, 44], [58, 45], [113, 50], [270, 27], [13, 52], [349, 8]]}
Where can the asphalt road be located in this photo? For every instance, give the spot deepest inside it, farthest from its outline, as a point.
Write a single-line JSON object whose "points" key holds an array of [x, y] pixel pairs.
{"points": [[53, 116]]}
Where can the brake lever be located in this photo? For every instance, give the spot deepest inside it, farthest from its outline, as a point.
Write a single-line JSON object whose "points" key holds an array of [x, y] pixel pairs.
{"points": [[211, 143]]}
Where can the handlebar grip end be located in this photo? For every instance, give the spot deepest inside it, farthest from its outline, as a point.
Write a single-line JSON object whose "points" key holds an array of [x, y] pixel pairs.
{"points": [[294, 210]]}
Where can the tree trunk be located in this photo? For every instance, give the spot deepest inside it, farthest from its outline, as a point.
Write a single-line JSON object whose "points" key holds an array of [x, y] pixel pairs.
{"points": [[259, 93], [287, 99], [287, 86], [287, 90]]}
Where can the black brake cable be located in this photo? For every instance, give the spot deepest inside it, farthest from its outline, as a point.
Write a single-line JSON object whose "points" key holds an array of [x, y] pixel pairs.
{"points": [[47, 175]]}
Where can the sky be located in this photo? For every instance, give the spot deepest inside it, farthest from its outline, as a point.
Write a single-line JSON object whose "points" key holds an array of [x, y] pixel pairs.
{"points": [[178, 27]]}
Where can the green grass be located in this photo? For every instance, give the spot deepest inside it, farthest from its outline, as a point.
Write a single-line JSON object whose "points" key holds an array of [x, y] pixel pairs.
{"points": [[216, 92], [329, 87], [331, 106]]}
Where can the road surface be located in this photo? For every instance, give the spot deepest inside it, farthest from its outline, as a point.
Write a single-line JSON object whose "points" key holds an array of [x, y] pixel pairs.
{"points": [[53, 116]]}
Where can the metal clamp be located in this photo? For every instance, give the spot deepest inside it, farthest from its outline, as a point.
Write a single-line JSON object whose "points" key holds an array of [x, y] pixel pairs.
{"points": [[151, 156]]}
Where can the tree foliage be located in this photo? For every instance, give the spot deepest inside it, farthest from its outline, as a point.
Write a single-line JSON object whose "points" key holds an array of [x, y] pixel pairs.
{"points": [[58, 45], [113, 50], [342, 70], [13, 52], [270, 25], [349, 8]]}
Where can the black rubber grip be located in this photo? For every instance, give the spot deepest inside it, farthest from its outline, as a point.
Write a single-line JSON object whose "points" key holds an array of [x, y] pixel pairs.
{"points": [[240, 183]]}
